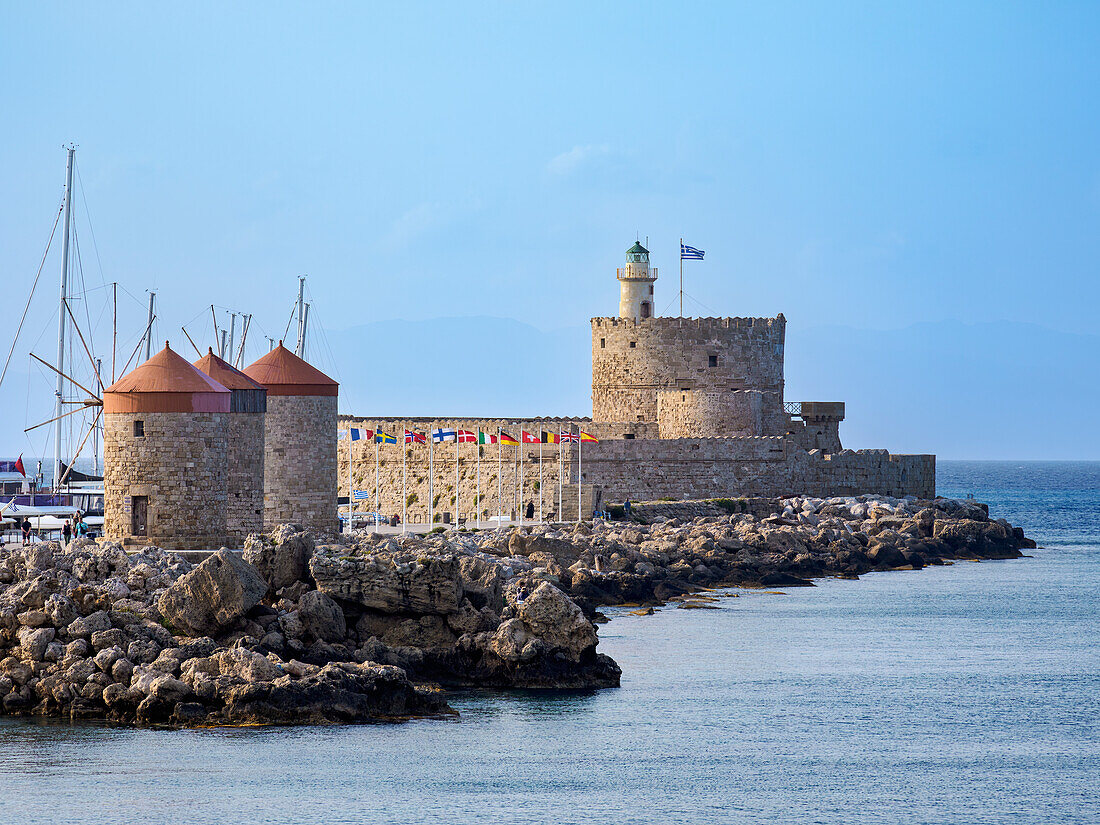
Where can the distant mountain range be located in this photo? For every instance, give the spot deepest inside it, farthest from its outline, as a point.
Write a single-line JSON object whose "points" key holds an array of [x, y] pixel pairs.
{"points": [[990, 390]]}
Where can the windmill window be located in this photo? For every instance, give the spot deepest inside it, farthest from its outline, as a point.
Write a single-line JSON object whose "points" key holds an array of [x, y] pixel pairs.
{"points": [[712, 360], [603, 343], [139, 428], [633, 344]]}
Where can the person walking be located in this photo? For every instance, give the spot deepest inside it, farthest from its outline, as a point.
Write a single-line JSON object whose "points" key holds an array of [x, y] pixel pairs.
{"points": [[26, 527], [67, 530], [530, 510], [81, 528]]}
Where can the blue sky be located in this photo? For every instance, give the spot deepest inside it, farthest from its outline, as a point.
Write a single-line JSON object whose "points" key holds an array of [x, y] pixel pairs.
{"points": [[857, 164]]}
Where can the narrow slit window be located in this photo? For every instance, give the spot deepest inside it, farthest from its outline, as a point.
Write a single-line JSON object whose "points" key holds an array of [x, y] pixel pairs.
{"points": [[139, 428]]}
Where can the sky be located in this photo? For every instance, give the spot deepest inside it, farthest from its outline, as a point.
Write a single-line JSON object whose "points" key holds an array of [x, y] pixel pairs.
{"points": [[864, 165]]}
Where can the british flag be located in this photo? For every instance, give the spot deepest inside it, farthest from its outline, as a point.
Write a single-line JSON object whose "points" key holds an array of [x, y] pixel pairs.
{"points": [[568, 437]]}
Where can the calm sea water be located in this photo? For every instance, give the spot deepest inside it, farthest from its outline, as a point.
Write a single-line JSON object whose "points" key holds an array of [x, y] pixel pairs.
{"points": [[968, 693]]}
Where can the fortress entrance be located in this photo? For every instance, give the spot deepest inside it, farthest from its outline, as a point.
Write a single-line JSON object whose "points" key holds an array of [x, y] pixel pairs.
{"points": [[646, 311]]}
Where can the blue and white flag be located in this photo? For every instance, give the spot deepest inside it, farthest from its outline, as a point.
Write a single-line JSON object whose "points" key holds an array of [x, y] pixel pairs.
{"points": [[361, 495], [690, 253], [439, 436], [357, 434]]}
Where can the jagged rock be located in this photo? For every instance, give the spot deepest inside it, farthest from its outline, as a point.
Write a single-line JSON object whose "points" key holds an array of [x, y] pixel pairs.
{"points": [[552, 617], [87, 625], [283, 558], [322, 616], [35, 640], [221, 589], [389, 582], [344, 692]]}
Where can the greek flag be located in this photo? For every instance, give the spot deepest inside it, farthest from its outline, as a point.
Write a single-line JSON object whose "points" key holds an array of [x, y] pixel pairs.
{"points": [[690, 253], [439, 436], [361, 495]]}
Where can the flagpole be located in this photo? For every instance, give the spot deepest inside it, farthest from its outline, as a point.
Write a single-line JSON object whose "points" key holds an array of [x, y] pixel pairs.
{"points": [[519, 480], [580, 441], [404, 484], [477, 498], [540, 478], [456, 479], [377, 497], [560, 513], [682, 281], [500, 491], [431, 472], [351, 495]]}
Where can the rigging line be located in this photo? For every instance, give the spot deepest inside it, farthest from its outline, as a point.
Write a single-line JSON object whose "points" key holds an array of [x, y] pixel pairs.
{"points": [[28, 306], [700, 303], [88, 215], [83, 288]]}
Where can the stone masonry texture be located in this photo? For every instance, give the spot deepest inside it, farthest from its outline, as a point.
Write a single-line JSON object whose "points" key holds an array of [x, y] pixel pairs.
{"points": [[300, 462], [179, 465], [632, 360], [245, 511]]}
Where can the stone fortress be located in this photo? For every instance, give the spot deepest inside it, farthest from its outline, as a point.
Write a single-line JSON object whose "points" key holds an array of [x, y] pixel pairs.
{"points": [[197, 456], [685, 408]]}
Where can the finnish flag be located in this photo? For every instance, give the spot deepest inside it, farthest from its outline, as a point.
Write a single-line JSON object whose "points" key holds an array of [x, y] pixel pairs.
{"points": [[441, 435]]}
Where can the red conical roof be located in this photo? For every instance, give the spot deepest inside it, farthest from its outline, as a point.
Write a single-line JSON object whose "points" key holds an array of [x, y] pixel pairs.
{"points": [[225, 373], [284, 373], [166, 383]]}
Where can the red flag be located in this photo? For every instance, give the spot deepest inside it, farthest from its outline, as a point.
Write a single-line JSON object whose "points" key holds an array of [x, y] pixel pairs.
{"points": [[19, 466], [466, 437], [528, 438]]}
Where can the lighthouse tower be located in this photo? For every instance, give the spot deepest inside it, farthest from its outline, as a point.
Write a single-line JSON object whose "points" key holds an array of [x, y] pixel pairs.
{"points": [[636, 284]]}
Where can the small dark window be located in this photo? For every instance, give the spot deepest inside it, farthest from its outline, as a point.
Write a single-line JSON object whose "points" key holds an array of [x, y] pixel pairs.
{"points": [[651, 289], [633, 344], [603, 343], [630, 436], [712, 360], [139, 429]]}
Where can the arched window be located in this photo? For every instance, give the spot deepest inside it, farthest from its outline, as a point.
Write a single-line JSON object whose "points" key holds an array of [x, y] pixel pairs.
{"points": [[645, 309]]}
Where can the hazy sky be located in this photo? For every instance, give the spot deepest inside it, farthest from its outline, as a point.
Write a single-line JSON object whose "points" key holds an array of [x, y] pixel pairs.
{"points": [[859, 164]]}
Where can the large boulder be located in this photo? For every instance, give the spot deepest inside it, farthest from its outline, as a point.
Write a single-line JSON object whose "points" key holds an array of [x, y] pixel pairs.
{"points": [[551, 616], [213, 595], [322, 616], [389, 582], [283, 558]]}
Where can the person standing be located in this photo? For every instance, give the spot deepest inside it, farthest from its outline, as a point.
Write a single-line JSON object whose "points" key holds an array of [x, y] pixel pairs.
{"points": [[26, 526], [81, 527], [67, 530]]}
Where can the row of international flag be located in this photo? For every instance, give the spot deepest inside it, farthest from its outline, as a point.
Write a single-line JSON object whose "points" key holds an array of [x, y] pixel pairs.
{"points": [[444, 434]]}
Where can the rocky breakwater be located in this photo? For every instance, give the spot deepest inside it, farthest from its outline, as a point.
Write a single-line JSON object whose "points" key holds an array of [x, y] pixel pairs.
{"points": [[787, 542], [89, 631], [783, 542]]}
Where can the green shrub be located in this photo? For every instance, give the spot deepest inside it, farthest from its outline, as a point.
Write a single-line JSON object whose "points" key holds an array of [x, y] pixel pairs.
{"points": [[437, 529], [616, 511], [731, 505], [410, 500]]}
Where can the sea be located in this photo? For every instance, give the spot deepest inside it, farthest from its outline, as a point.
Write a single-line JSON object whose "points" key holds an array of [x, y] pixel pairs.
{"points": [[968, 693]]}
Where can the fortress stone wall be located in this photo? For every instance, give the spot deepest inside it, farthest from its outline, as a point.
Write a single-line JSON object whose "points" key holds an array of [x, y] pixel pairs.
{"points": [[700, 413], [614, 470], [633, 359]]}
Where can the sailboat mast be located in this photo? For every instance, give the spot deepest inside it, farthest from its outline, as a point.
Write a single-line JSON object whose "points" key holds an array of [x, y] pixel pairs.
{"points": [[57, 471], [301, 319], [149, 329]]}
